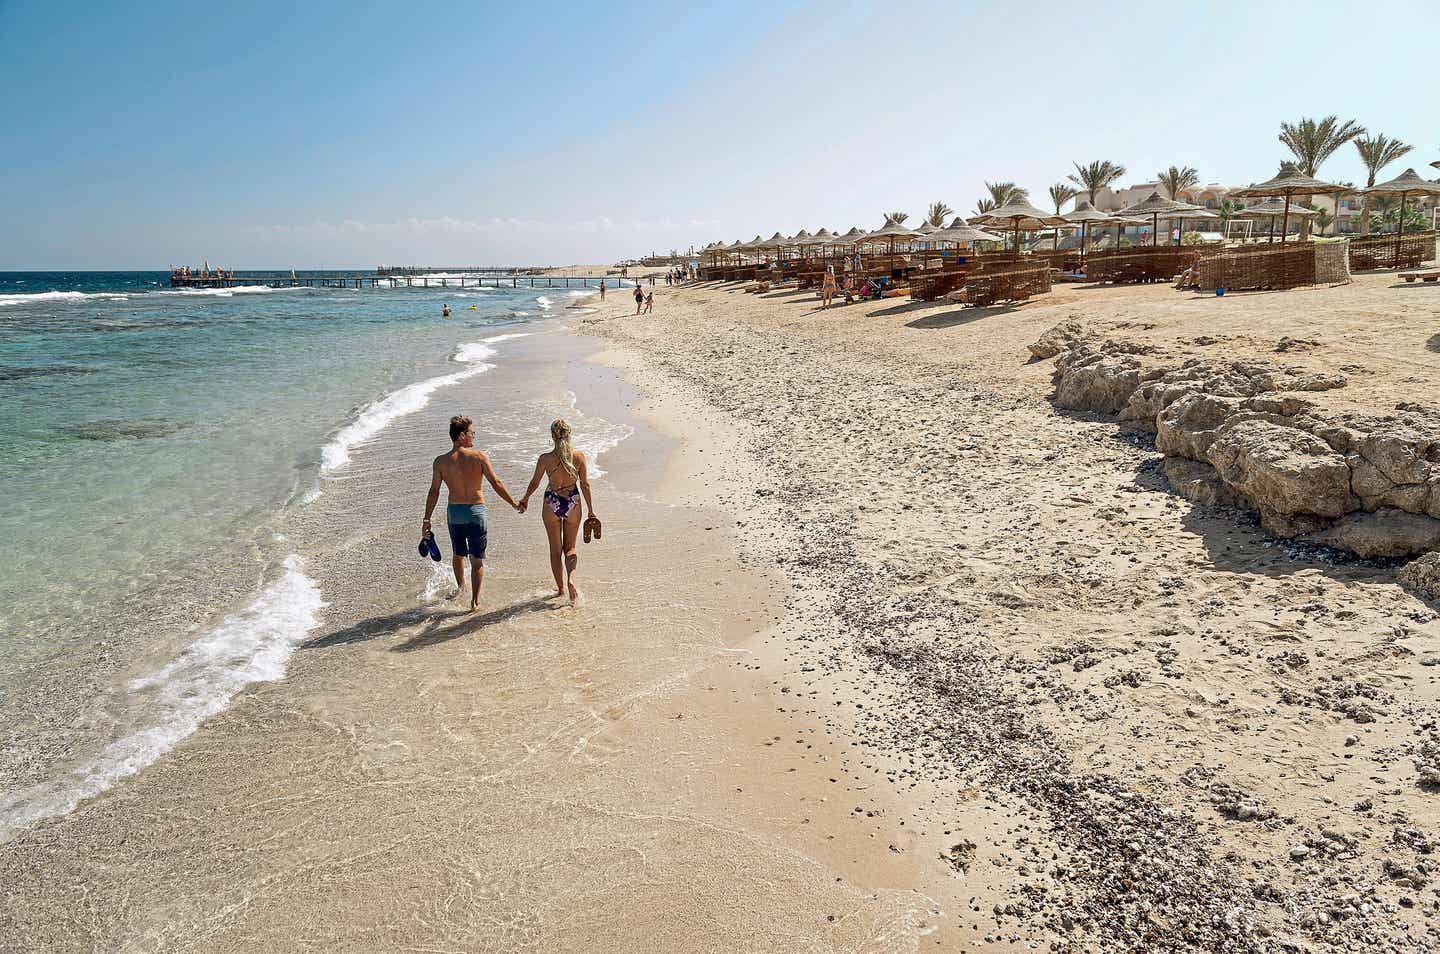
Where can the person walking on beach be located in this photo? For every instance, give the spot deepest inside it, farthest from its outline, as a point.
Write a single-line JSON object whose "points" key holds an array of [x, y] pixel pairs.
{"points": [[602, 289], [565, 468], [827, 287], [639, 298], [649, 301], [464, 471]]}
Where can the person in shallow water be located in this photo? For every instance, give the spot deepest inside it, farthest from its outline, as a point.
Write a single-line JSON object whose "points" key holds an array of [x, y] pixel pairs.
{"points": [[569, 481], [445, 312], [464, 471]]}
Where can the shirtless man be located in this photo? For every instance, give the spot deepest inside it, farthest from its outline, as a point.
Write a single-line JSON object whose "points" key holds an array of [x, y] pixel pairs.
{"points": [[464, 470]]}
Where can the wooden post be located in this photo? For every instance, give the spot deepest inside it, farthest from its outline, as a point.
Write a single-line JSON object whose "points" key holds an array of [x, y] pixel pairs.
{"points": [[1400, 228], [1285, 221]]}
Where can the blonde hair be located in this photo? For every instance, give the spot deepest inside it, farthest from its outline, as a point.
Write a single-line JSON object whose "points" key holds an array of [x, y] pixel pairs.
{"points": [[560, 433]]}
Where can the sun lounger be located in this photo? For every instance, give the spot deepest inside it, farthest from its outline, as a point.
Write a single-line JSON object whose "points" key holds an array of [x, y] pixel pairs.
{"points": [[1424, 275]]}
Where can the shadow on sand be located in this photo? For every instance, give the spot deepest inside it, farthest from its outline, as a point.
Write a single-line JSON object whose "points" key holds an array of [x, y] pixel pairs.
{"points": [[461, 624], [438, 625], [960, 316]]}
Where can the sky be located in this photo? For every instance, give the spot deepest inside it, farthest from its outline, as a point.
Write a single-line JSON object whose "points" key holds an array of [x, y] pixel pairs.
{"points": [[318, 134]]}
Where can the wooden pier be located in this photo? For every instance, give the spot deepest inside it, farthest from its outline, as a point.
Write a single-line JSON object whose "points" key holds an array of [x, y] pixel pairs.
{"points": [[354, 280]]}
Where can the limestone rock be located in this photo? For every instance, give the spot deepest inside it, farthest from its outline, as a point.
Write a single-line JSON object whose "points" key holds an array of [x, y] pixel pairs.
{"points": [[1187, 427], [1422, 577], [1388, 532], [1199, 483], [1064, 336], [1098, 382], [1283, 470]]}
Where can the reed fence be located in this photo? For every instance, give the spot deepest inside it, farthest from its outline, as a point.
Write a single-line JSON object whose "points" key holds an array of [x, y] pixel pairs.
{"points": [[1386, 251]]}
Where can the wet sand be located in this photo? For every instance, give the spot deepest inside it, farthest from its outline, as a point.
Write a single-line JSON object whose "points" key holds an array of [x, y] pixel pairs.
{"points": [[531, 777]]}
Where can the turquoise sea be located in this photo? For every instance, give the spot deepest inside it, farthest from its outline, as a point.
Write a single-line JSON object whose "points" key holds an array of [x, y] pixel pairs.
{"points": [[150, 438]]}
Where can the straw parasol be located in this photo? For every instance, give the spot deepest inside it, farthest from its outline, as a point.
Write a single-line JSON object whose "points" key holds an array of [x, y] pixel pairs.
{"points": [[1085, 215], [1404, 185], [890, 232], [1272, 210], [958, 233], [1289, 187], [1189, 212], [1155, 205], [1018, 215]]}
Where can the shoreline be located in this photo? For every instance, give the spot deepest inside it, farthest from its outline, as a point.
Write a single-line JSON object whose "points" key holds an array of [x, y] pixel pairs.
{"points": [[611, 754]]}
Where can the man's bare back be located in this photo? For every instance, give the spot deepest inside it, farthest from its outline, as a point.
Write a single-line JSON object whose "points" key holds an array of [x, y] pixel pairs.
{"points": [[464, 471]]}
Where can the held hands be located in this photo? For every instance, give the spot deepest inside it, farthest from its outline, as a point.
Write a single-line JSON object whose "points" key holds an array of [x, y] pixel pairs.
{"points": [[520, 507]]}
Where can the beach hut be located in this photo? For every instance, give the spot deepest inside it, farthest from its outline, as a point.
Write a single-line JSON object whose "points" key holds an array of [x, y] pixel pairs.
{"points": [[1272, 210], [1288, 187], [1018, 215], [1404, 185]]}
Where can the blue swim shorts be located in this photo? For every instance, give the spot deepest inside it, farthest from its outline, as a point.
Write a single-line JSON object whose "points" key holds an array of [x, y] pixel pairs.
{"points": [[469, 530]]}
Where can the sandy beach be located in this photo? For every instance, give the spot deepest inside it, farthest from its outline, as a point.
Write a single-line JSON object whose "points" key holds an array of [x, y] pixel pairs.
{"points": [[882, 651], [1155, 701]]}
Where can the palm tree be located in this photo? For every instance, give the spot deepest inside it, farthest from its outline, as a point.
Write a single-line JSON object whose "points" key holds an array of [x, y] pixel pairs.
{"points": [[1312, 143], [1177, 179], [1096, 176], [985, 205], [1003, 193], [938, 213], [1323, 218], [1060, 193], [1376, 152], [896, 217]]}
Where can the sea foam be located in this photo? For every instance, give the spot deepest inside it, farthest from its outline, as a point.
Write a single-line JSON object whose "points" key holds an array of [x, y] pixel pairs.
{"points": [[250, 646], [375, 417], [37, 297]]}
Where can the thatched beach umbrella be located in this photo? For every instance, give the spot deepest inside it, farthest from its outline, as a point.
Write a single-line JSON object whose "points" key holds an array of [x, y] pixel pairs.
{"points": [[1289, 187], [1084, 215], [1155, 205], [889, 233], [1189, 212], [958, 233], [1018, 215], [1272, 210], [1404, 185]]}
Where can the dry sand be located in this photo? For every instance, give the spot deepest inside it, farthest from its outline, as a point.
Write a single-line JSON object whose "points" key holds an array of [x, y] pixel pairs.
{"points": [[1118, 698]]}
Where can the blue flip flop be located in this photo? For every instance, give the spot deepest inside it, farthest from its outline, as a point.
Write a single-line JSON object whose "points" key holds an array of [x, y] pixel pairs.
{"points": [[428, 547]]}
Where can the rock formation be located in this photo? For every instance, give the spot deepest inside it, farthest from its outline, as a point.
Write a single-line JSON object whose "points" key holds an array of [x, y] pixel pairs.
{"points": [[1241, 433]]}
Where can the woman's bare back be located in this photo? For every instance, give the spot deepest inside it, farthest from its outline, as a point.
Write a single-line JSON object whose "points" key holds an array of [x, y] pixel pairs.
{"points": [[555, 472]]}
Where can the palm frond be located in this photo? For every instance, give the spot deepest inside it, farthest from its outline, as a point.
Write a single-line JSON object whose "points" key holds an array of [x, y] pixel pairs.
{"points": [[1313, 142]]}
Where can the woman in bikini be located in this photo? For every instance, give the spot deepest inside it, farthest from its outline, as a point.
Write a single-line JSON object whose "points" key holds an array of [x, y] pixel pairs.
{"points": [[565, 467], [827, 287]]}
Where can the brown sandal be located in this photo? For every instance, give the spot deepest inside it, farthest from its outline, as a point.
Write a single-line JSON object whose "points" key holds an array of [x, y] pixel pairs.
{"points": [[592, 527]]}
